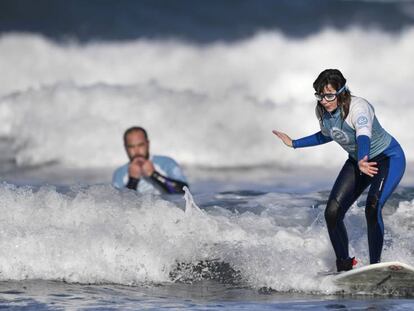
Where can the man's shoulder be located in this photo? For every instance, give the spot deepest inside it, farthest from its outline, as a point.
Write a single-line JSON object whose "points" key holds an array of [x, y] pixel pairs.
{"points": [[161, 159], [121, 169]]}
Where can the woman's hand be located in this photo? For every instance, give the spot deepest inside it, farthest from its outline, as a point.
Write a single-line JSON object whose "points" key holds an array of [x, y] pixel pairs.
{"points": [[368, 168], [284, 137]]}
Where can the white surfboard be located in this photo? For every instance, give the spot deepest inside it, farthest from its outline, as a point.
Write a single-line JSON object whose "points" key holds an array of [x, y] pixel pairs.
{"points": [[392, 275]]}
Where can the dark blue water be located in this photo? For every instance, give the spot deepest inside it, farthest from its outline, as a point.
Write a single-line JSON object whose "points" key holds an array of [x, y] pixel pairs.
{"points": [[44, 295], [196, 20]]}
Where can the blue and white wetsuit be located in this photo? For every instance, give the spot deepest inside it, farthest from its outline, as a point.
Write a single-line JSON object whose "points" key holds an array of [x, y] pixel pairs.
{"points": [[360, 134], [167, 178]]}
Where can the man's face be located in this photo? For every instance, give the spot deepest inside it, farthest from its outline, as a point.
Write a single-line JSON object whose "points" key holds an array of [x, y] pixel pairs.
{"points": [[136, 145]]}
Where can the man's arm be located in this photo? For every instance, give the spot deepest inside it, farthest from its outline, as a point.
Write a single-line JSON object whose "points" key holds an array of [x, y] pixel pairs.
{"points": [[168, 184]]}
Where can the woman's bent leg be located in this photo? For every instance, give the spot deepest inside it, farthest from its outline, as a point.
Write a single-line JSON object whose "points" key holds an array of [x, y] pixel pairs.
{"points": [[347, 188]]}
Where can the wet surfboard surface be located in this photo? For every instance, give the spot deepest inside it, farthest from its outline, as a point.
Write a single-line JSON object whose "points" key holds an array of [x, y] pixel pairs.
{"points": [[391, 275]]}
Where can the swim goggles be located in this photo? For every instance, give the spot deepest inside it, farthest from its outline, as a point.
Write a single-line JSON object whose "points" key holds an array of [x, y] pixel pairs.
{"points": [[330, 96]]}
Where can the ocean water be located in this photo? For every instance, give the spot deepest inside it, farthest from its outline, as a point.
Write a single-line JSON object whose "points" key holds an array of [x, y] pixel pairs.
{"points": [[209, 82]]}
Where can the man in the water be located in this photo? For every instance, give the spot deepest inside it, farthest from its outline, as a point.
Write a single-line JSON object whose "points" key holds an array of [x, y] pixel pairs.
{"points": [[145, 173]]}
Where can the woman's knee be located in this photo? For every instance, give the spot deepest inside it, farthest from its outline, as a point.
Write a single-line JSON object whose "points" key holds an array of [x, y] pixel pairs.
{"points": [[371, 209]]}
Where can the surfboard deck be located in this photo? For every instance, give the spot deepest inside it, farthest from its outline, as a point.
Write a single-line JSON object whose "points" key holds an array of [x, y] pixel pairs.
{"points": [[394, 275]]}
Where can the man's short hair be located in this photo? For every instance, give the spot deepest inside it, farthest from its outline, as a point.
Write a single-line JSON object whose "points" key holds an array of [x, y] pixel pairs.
{"points": [[135, 129]]}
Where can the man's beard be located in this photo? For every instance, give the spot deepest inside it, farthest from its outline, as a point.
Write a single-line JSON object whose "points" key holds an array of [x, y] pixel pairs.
{"points": [[146, 157]]}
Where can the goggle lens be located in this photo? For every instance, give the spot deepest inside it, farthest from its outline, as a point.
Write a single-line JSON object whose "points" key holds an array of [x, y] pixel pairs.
{"points": [[329, 96]]}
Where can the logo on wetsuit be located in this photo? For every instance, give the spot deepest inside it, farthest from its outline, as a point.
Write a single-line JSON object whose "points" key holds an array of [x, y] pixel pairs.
{"points": [[339, 136], [362, 121]]}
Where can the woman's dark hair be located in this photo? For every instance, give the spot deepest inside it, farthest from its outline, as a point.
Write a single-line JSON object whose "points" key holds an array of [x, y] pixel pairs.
{"points": [[335, 78]]}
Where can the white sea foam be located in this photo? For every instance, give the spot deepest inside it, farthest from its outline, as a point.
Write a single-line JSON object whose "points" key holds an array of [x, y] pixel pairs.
{"points": [[97, 234], [208, 105]]}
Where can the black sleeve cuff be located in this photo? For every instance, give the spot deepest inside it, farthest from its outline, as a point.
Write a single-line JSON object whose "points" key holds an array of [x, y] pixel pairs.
{"points": [[132, 183]]}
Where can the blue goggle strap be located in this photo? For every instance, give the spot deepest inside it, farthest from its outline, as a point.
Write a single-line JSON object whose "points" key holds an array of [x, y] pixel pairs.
{"points": [[342, 89]]}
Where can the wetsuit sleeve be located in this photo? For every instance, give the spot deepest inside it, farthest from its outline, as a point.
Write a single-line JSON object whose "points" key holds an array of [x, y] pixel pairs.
{"points": [[168, 184], [312, 140], [362, 118], [363, 144]]}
